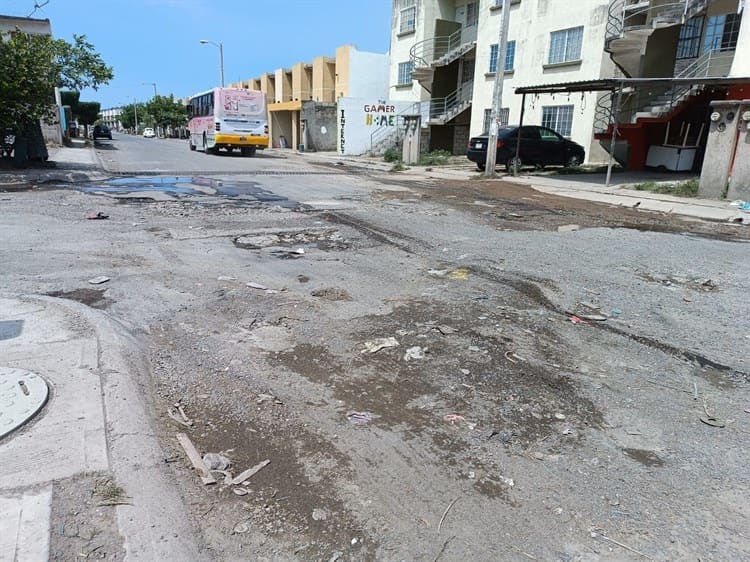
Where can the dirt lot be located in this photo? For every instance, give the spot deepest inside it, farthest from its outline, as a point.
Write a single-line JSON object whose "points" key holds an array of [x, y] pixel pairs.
{"points": [[546, 395]]}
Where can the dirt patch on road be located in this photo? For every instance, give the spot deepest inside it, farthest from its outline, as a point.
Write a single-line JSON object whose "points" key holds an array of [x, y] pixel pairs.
{"points": [[515, 207]]}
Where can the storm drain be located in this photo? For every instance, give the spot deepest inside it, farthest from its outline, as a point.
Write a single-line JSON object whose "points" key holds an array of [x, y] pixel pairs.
{"points": [[22, 395]]}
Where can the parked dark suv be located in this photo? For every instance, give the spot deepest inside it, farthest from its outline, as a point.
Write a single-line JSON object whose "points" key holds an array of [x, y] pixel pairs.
{"points": [[540, 146], [102, 132]]}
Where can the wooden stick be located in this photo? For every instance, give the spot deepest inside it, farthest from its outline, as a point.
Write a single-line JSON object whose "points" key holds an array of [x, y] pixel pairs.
{"points": [[626, 547], [250, 472], [440, 525], [196, 459]]}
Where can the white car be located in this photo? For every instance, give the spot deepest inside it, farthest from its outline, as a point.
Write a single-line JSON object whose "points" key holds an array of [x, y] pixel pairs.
{"points": [[148, 133]]}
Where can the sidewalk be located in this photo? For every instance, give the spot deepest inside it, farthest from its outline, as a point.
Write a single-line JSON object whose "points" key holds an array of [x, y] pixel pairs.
{"points": [[589, 187], [94, 421], [69, 164]]}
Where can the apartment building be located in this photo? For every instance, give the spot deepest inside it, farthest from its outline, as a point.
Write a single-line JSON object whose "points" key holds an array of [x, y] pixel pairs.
{"points": [[571, 59], [111, 118], [444, 55], [303, 100]]}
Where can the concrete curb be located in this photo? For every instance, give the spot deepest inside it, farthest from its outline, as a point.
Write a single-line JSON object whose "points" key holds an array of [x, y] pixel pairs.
{"points": [[155, 526]]}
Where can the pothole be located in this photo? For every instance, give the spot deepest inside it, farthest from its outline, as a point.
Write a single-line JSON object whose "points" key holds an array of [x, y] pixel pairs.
{"points": [[90, 297], [327, 239]]}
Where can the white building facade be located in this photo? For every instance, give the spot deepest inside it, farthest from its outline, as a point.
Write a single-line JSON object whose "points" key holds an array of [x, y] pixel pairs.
{"points": [[450, 48], [444, 59]]}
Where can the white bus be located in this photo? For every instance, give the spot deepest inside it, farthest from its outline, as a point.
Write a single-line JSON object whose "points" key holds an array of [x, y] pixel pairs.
{"points": [[228, 118]]}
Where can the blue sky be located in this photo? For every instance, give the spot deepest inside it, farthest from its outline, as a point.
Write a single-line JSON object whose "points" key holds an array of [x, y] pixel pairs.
{"points": [[158, 40]]}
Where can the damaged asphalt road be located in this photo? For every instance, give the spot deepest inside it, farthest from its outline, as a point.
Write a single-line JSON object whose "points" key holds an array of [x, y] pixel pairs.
{"points": [[495, 428]]}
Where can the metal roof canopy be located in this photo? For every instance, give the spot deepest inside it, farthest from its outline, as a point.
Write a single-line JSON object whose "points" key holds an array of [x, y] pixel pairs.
{"points": [[616, 84], [606, 84]]}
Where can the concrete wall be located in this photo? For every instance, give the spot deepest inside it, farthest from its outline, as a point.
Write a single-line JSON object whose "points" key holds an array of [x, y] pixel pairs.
{"points": [[358, 118], [324, 79], [741, 64], [343, 71], [368, 75], [319, 120], [301, 82], [530, 26], [720, 150], [268, 86], [283, 79], [28, 25], [661, 53]]}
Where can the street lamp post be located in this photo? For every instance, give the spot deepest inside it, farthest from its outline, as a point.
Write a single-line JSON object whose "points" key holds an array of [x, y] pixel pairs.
{"points": [[221, 56], [154, 85], [151, 84]]}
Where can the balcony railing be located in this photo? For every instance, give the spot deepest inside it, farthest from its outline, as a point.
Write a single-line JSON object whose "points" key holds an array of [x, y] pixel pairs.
{"points": [[625, 14]]}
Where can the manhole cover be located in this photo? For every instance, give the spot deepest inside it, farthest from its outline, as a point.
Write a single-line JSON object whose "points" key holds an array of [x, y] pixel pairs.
{"points": [[22, 395]]}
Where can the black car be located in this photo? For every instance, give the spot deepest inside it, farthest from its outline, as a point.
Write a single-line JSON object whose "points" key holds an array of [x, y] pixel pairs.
{"points": [[102, 132], [540, 146]]}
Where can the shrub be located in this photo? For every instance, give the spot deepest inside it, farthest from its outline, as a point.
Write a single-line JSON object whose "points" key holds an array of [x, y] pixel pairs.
{"points": [[392, 155], [434, 158]]}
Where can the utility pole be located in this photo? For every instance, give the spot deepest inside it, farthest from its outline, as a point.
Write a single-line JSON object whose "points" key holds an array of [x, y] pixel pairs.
{"points": [[497, 95], [135, 110]]}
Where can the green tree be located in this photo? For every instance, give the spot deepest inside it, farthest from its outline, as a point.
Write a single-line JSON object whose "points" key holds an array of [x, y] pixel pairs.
{"points": [[87, 112], [32, 66], [165, 111], [127, 118]]}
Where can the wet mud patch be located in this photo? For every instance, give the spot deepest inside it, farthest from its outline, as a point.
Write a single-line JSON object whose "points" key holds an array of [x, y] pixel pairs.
{"points": [[90, 297], [292, 499], [646, 458], [463, 370]]}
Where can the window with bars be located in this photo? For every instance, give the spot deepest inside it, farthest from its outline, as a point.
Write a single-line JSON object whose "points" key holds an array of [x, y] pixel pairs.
{"points": [[472, 13], [689, 43], [558, 118], [722, 32], [404, 73], [510, 57], [565, 45], [504, 116], [408, 20]]}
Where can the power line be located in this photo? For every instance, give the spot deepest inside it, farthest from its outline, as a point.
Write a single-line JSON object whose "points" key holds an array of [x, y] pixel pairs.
{"points": [[38, 6]]}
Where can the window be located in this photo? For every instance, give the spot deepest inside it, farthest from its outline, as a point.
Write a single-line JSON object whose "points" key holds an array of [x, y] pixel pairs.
{"points": [[472, 13], [565, 45], [504, 115], [404, 73], [467, 71], [722, 32], [558, 118], [510, 56], [689, 44], [408, 20]]}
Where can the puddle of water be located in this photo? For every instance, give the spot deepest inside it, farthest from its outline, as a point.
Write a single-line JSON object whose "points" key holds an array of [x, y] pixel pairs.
{"points": [[194, 186]]}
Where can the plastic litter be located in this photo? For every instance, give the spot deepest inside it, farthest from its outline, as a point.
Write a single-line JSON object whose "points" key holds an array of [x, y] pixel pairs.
{"points": [[576, 320], [216, 461], [254, 285], [453, 418], [359, 418], [380, 343], [415, 352], [97, 216], [99, 280]]}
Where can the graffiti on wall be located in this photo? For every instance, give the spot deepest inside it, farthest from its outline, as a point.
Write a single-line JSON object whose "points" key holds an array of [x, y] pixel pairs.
{"points": [[380, 115]]}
